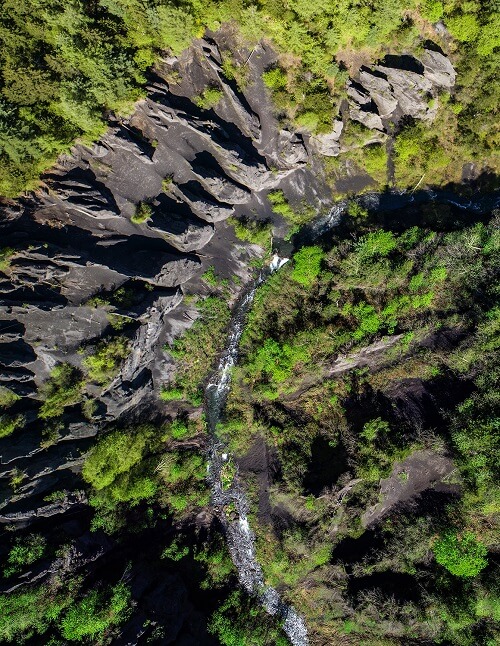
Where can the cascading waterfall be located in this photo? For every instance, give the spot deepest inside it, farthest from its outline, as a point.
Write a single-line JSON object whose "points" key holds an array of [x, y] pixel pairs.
{"points": [[240, 538]]}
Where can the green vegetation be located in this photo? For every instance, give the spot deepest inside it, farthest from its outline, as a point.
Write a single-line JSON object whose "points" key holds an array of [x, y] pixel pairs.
{"points": [[96, 613], [462, 555], [307, 265], [7, 397], [62, 389], [30, 612], [131, 466], [197, 349], [240, 616], [142, 213], [25, 551], [64, 65], [171, 394], [103, 364], [213, 279], [114, 455], [338, 419], [5, 257], [10, 423], [253, 231], [209, 98], [80, 61]]}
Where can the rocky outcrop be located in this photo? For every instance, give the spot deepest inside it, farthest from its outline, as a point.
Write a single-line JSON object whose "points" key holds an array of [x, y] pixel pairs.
{"points": [[144, 210], [399, 86]]}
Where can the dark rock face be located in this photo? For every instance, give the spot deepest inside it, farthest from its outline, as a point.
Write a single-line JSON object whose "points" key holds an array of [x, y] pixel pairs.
{"points": [[145, 209], [399, 86]]}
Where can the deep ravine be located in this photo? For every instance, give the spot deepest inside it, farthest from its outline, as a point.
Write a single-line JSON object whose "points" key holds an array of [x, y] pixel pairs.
{"points": [[228, 497]]}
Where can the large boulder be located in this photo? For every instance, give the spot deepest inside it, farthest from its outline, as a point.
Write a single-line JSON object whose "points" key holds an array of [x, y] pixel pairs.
{"points": [[398, 87]]}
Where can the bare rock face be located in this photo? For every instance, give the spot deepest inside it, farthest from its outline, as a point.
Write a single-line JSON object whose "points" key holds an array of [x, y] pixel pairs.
{"points": [[400, 86], [328, 144], [438, 69], [141, 213]]}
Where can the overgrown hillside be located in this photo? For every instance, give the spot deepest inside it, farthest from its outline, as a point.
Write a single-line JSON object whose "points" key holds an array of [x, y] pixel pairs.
{"points": [[66, 65], [369, 379]]}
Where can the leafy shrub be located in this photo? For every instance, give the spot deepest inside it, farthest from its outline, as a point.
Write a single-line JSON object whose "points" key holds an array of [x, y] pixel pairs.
{"points": [[212, 278], [113, 455], [30, 612], [277, 361], [104, 363], [7, 397], [175, 552], [253, 231], [355, 210], [461, 554], [380, 243], [373, 428], [96, 613], [307, 265], [63, 388], [240, 620], [275, 79], [281, 205], [5, 256], [25, 551], [179, 430], [10, 423], [171, 394], [464, 27], [375, 159], [143, 212], [209, 98]]}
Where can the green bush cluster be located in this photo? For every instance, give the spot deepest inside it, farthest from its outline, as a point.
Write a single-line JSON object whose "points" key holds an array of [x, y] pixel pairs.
{"points": [[25, 551], [197, 349], [209, 98], [240, 620], [253, 231], [5, 257], [104, 362], [62, 389], [307, 265], [10, 423], [143, 212], [96, 613], [462, 555]]}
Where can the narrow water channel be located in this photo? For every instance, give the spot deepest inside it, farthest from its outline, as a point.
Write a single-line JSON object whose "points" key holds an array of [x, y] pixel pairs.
{"points": [[228, 497]]}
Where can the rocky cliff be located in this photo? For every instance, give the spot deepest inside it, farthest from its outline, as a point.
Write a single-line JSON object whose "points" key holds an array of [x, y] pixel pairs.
{"points": [[124, 229]]}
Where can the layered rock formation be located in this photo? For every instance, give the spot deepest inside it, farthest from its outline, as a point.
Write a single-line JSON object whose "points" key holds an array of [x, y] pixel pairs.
{"points": [[399, 86], [143, 209]]}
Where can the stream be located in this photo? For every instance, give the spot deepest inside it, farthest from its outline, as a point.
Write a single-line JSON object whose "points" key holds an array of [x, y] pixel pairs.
{"points": [[227, 493], [228, 497]]}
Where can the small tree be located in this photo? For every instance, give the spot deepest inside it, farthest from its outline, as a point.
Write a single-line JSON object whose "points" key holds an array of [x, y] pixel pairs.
{"points": [[461, 554]]}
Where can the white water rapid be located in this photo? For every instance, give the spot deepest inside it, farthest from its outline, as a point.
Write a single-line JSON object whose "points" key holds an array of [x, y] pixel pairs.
{"points": [[228, 497]]}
